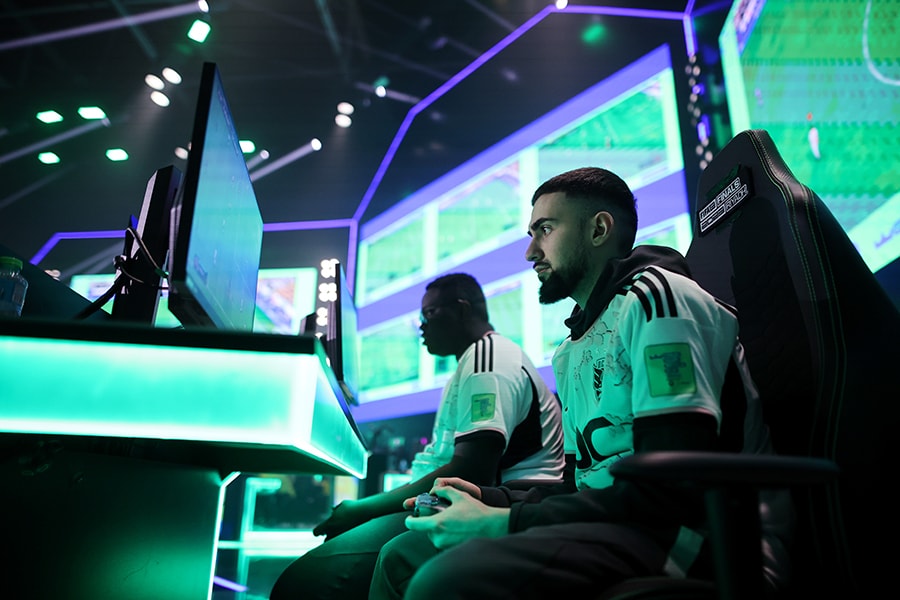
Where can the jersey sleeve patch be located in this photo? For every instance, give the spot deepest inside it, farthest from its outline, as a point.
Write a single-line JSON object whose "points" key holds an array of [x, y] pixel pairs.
{"points": [[670, 369], [483, 406]]}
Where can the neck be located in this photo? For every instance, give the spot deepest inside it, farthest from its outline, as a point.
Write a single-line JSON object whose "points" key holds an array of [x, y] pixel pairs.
{"points": [[476, 332]]}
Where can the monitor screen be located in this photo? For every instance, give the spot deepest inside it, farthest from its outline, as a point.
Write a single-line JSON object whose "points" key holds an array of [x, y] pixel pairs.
{"points": [[216, 226], [823, 79]]}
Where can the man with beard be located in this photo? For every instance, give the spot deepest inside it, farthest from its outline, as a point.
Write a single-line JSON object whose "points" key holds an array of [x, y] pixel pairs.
{"points": [[497, 423], [653, 362]]}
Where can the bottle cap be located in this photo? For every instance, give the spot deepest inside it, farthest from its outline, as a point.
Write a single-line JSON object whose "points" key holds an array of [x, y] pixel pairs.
{"points": [[12, 261]]}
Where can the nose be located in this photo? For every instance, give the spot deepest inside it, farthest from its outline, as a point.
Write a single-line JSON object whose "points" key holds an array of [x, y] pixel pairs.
{"points": [[532, 253]]}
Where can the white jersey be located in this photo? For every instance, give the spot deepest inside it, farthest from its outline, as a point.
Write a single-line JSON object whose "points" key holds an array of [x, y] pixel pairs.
{"points": [[496, 388], [661, 346]]}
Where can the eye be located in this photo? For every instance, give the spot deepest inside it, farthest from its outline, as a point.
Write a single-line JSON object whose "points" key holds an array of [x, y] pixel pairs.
{"points": [[545, 229]]}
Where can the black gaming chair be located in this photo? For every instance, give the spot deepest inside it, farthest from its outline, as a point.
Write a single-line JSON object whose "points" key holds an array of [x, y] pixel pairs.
{"points": [[820, 335]]}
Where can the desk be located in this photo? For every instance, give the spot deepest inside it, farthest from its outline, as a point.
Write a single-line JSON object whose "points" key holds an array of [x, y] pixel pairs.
{"points": [[115, 443]]}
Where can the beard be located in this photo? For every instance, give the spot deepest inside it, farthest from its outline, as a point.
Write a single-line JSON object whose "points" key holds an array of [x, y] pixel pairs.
{"points": [[553, 289], [562, 281]]}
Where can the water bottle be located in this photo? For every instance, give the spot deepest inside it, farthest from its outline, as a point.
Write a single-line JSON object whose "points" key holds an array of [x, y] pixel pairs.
{"points": [[12, 287]]}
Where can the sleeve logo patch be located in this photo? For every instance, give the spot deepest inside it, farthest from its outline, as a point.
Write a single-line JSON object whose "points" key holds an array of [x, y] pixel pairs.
{"points": [[483, 406], [670, 369]]}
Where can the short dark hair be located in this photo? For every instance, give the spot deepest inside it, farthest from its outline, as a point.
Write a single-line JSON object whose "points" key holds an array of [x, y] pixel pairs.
{"points": [[598, 189], [464, 287]]}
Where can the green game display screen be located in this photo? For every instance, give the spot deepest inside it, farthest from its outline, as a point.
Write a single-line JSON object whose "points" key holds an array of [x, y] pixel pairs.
{"points": [[474, 219], [823, 78]]}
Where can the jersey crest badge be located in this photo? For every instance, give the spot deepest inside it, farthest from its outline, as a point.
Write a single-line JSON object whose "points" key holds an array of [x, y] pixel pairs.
{"points": [[670, 369], [483, 406]]}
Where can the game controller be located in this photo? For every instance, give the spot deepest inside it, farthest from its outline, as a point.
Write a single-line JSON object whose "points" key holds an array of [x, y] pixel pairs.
{"points": [[429, 504]]}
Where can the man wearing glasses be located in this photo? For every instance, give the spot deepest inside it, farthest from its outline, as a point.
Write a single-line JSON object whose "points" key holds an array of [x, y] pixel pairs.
{"points": [[497, 423]]}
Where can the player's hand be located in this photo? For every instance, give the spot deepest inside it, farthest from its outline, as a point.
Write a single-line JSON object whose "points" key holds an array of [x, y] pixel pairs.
{"points": [[458, 484], [454, 482], [344, 516], [464, 519]]}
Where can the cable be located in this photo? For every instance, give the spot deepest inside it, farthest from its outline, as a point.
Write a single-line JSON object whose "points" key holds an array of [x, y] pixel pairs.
{"points": [[146, 252], [100, 301]]}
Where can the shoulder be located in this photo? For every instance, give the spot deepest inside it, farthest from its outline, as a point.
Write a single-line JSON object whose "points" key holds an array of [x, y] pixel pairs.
{"points": [[656, 292], [492, 353]]}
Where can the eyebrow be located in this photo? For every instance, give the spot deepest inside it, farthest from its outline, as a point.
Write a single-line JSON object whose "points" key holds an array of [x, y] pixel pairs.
{"points": [[534, 226]]}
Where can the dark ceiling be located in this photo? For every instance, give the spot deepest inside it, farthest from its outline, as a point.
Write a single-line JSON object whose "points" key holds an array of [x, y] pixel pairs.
{"points": [[285, 65]]}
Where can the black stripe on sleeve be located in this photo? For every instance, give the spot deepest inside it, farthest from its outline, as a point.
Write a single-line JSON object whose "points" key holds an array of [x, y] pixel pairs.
{"points": [[657, 296], [645, 302], [727, 307], [670, 297]]}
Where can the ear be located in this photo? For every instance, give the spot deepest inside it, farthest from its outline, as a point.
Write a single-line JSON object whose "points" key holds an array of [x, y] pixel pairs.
{"points": [[602, 228]]}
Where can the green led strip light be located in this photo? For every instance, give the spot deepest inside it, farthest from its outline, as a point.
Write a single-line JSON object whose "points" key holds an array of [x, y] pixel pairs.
{"points": [[231, 396]]}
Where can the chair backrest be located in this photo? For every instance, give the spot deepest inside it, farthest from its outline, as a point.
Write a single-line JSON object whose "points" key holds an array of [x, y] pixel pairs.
{"points": [[819, 333]]}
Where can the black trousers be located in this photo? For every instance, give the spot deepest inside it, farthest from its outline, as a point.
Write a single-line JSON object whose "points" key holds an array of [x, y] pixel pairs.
{"points": [[543, 562], [340, 568]]}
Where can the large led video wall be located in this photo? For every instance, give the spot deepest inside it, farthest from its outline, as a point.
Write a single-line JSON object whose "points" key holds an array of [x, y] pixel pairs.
{"points": [[474, 220], [823, 78]]}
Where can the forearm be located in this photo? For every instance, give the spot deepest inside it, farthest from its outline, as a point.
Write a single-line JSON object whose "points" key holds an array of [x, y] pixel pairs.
{"points": [[475, 460], [626, 501], [389, 502], [503, 496]]}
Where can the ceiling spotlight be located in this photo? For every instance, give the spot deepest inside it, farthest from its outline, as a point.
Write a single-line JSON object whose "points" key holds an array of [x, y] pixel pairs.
{"points": [[91, 113], [154, 82], [380, 91], [342, 120], [171, 75], [345, 108], [159, 98], [247, 146], [203, 5], [198, 31], [315, 144], [48, 158], [49, 116], [181, 153], [116, 154]]}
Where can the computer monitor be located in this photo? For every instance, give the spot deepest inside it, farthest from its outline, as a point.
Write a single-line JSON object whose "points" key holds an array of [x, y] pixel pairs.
{"points": [[139, 273], [342, 344], [216, 227]]}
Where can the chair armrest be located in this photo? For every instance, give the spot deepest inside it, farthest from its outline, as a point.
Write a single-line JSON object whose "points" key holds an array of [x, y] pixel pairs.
{"points": [[731, 484], [714, 469]]}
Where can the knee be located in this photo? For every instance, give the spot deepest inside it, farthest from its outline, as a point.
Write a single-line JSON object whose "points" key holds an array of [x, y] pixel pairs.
{"points": [[436, 579], [392, 571], [397, 561]]}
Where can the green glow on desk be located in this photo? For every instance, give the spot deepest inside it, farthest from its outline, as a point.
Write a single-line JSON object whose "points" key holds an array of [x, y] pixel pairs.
{"points": [[270, 399]]}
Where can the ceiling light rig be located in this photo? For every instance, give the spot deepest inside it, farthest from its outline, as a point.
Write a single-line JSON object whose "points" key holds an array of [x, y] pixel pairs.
{"points": [[342, 119], [91, 113], [154, 82], [49, 116], [255, 160], [199, 31], [314, 145], [158, 84], [380, 89]]}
